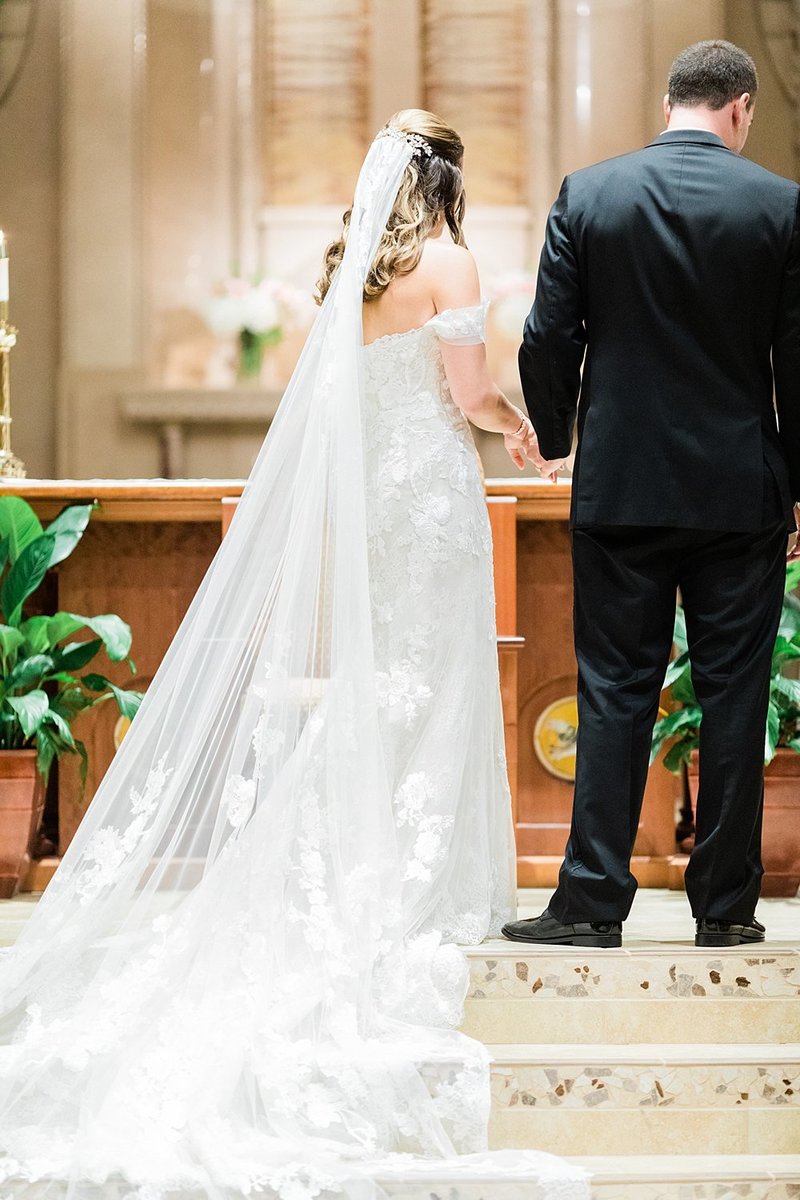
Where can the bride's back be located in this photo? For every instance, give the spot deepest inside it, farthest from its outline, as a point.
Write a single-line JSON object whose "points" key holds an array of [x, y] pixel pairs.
{"points": [[409, 300]]}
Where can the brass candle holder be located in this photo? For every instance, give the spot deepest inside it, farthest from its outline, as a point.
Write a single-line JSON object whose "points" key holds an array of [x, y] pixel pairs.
{"points": [[10, 466]]}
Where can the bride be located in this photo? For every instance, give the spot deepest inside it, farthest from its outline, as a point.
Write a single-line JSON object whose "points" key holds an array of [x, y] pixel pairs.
{"points": [[244, 979]]}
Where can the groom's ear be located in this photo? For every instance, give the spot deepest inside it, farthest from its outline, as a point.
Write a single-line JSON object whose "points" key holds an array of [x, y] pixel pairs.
{"points": [[667, 108]]}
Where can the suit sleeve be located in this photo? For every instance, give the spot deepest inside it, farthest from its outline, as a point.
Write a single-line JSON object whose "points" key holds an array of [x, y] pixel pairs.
{"points": [[554, 338], [786, 359]]}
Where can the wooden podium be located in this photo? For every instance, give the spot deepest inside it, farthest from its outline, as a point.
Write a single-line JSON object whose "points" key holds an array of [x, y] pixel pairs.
{"points": [[150, 542]]}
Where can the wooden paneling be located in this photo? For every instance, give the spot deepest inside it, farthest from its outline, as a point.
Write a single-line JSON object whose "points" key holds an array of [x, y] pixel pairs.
{"points": [[150, 543], [146, 572], [476, 76], [547, 671], [316, 102], [503, 519]]}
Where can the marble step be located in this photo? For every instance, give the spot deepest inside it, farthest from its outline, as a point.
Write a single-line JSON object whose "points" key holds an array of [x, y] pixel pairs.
{"points": [[606, 1099], [660, 994], [638, 1177]]}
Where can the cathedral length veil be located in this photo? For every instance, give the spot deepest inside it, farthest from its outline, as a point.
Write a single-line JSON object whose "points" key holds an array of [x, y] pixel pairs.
{"points": [[220, 993]]}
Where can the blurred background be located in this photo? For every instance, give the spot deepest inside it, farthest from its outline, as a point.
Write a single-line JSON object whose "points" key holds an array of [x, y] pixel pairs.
{"points": [[171, 171]]}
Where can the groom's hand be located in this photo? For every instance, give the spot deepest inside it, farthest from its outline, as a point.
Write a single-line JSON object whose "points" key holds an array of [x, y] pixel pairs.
{"points": [[548, 468]]}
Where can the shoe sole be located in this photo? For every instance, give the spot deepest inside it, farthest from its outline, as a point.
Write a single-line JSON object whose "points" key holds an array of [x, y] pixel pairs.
{"points": [[603, 941], [726, 939]]}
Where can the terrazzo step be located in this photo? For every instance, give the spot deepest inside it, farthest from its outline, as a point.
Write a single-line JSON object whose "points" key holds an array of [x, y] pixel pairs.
{"points": [[693, 1177], [638, 1177], [605, 1099], [659, 994]]}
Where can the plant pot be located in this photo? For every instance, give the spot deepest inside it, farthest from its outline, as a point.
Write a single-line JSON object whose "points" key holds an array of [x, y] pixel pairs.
{"points": [[21, 806], [780, 841]]}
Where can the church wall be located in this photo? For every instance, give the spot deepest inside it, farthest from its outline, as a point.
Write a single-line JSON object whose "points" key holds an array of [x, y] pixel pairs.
{"points": [[135, 170], [29, 213]]}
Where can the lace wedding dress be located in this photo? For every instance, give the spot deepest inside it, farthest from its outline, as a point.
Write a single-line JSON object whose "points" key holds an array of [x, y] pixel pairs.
{"points": [[243, 979]]}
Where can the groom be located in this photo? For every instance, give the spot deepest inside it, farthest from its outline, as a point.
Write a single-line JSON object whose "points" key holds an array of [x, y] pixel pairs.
{"points": [[676, 271]]}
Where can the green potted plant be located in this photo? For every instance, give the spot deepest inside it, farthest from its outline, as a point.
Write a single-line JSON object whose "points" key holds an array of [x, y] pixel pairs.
{"points": [[681, 727], [41, 692]]}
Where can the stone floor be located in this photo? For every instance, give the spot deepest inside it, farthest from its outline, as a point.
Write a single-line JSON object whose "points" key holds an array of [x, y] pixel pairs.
{"points": [[659, 918], [669, 1072], [663, 918]]}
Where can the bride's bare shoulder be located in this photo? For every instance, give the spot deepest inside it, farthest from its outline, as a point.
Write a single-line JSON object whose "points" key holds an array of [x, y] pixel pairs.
{"points": [[452, 272]]}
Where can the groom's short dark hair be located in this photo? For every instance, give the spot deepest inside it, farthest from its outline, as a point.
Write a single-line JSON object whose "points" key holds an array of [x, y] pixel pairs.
{"points": [[712, 73]]}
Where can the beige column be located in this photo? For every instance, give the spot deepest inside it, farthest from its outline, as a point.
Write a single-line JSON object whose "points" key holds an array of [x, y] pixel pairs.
{"points": [[103, 47], [611, 61], [395, 58], [542, 182]]}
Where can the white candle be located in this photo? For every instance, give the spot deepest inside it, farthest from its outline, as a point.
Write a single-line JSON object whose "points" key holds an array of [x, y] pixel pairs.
{"points": [[4, 290]]}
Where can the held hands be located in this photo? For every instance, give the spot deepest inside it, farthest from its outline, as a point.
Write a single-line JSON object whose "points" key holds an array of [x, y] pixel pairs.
{"points": [[523, 445]]}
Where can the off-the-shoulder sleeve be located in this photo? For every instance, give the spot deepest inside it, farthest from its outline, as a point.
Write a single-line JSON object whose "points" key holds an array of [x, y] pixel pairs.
{"points": [[461, 326]]}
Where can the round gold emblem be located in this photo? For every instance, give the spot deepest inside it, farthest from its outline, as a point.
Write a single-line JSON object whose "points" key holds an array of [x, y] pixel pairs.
{"points": [[555, 736]]}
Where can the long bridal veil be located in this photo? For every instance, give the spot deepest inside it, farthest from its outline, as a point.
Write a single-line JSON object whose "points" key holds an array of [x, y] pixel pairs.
{"points": [[219, 994]]}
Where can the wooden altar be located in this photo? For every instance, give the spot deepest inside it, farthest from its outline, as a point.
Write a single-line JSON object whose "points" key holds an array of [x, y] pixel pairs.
{"points": [[150, 542]]}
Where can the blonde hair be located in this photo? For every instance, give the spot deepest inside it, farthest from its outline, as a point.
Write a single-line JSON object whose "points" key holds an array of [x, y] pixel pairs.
{"points": [[432, 186]]}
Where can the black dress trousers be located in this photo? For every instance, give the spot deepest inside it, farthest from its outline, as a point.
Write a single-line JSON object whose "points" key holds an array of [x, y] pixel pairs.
{"points": [[626, 579]]}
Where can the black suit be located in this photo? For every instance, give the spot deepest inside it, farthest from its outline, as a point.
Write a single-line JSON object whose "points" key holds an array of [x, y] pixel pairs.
{"points": [[676, 270]]}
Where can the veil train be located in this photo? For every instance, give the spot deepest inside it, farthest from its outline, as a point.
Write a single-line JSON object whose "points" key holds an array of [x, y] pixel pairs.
{"points": [[217, 996]]}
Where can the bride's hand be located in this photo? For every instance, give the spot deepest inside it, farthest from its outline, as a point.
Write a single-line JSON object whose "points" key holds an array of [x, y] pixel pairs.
{"points": [[522, 445]]}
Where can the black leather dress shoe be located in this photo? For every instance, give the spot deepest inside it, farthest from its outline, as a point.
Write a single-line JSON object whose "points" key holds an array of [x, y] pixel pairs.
{"points": [[712, 932], [547, 931]]}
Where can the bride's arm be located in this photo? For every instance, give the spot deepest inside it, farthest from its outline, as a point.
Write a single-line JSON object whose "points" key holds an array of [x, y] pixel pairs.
{"points": [[456, 285]]}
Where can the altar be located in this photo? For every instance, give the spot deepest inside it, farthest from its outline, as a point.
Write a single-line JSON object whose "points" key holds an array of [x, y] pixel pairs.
{"points": [[150, 541]]}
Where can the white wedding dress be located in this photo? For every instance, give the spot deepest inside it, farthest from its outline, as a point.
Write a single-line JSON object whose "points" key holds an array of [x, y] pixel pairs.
{"points": [[243, 979], [434, 634]]}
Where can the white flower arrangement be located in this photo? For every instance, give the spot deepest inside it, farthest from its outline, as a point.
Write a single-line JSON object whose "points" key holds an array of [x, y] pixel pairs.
{"points": [[257, 314]]}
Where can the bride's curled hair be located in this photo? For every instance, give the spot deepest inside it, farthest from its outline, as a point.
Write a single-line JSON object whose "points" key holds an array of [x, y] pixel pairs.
{"points": [[432, 186]]}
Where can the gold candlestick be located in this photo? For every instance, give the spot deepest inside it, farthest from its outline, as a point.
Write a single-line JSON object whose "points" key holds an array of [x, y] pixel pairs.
{"points": [[10, 465]]}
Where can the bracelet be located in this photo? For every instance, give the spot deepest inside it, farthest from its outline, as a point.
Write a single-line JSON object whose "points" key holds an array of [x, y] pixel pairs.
{"points": [[522, 425]]}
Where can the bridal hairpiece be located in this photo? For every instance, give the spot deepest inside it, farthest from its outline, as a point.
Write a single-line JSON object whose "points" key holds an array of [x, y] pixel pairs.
{"points": [[416, 140]]}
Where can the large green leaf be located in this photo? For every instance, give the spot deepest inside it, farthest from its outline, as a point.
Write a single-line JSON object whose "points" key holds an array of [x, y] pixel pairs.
{"points": [[682, 718], [10, 640], [68, 530], [25, 576], [683, 690], [787, 688], [71, 701], [112, 631], [679, 633], [43, 633], [76, 655], [30, 709], [47, 750], [793, 575], [51, 743], [785, 651], [676, 668], [773, 732], [790, 618], [679, 754], [28, 671], [34, 633], [55, 718], [684, 721], [127, 701], [19, 524]]}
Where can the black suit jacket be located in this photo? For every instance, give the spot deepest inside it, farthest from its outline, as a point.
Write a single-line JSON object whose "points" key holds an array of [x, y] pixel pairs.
{"points": [[676, 269]]}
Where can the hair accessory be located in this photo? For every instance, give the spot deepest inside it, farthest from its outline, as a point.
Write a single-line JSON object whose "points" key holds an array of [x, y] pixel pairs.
{"points": [[416, 140]]}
